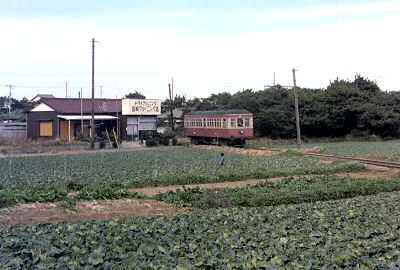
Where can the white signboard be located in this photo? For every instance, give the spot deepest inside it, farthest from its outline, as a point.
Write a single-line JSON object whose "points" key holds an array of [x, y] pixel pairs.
{"points": [[141, 106]]}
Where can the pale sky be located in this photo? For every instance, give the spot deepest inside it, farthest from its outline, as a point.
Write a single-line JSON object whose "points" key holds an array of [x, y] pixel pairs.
{"points": [[207, 46]]}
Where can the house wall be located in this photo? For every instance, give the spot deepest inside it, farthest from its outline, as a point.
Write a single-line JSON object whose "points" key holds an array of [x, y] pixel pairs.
{"points": [[33, 119]]}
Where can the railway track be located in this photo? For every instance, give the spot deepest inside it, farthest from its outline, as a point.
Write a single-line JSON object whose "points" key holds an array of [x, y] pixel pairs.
{"points": [[382, 163], [388, 164]]}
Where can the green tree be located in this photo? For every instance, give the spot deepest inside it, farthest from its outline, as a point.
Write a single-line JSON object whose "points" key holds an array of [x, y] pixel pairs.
{"points": [[135, 95]]}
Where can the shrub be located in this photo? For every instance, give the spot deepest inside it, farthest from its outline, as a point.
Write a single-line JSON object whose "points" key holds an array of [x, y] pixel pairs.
{"points": [[102, 144], [74, 186], [169, 134], [164, 141], [151, 142]]}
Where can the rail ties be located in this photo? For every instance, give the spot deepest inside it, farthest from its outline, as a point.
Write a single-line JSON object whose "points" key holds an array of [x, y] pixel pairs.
{"points": [[388, 164]]}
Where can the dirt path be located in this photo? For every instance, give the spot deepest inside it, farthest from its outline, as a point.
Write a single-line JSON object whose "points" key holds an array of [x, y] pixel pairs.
{"points": [[240, 151], [372, 172], [74, 152], [152, 191], [88, 210]]}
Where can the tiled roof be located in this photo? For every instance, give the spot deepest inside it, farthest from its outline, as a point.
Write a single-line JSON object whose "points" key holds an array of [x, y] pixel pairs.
{"points": [[40, 96], [73, 105]]}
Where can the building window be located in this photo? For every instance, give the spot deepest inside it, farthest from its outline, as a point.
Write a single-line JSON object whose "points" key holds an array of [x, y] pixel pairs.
{"points": [[247, 122], [240, 122], [233, 122], [46, 128]]}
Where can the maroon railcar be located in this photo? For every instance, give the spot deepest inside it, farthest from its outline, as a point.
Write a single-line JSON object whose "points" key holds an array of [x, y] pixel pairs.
{"points": [[229, 127]]}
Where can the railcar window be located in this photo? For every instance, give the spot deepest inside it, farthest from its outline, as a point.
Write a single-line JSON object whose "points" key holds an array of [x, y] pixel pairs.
{"points": [[240, 122], [224, 123], [247, 122], [219, 123], [233, 122]]}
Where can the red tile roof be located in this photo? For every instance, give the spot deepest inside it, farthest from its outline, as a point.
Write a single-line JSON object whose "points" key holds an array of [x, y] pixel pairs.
{"points": [[73, 105]]}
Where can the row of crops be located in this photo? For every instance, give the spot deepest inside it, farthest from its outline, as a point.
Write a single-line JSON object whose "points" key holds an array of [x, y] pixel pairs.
{"points": [[291, 190], [154, 167], [362, 233]]}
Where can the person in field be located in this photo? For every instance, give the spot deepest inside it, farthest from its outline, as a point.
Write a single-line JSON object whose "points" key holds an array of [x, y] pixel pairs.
{"points": [[221, 159]]}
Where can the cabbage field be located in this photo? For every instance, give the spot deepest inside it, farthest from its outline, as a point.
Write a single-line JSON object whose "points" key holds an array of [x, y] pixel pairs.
{"points": [[362, 233], [295, 223], [154, 167]]}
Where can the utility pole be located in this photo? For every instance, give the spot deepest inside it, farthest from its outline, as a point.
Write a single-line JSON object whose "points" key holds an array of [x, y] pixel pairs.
{"points": [[274, 78], [81, 97], [66, 89], [92, 122], [296, 107], [9, 98], [172, 87], [116, 112], [170, 107], [101, 91]]}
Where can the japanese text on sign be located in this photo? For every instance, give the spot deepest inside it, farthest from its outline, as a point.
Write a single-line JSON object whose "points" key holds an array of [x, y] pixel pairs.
{"points": [[141, 107], [145, 106]]}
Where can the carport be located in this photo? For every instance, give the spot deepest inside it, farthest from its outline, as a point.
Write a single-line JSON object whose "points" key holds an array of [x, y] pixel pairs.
{"points": [[70, 125]]}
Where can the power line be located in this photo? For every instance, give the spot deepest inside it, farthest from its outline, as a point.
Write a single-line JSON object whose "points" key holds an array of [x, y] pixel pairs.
{"points": [[108, 66], [35, 87]]}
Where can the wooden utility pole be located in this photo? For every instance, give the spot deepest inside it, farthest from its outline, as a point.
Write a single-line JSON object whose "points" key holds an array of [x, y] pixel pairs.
{"points": [[274, 78], [92, 122], [81, 97], [66, 89], [172, 87], [116, 112], [170, 108], [296, 107]]}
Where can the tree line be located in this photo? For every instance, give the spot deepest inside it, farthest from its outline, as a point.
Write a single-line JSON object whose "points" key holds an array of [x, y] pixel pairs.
{"points": [[358, 107]]}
